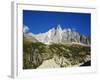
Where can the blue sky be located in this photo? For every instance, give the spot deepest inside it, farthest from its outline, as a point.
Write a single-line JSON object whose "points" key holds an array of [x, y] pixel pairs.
{"points": [[42, 21]]}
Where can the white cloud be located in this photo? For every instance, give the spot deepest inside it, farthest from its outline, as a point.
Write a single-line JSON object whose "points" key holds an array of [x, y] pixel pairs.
{"points": [[25, 29]]}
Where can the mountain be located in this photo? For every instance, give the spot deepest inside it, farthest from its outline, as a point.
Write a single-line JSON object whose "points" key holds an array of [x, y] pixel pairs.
{"points": [[29, 37], [38, 54], [59, 35]]}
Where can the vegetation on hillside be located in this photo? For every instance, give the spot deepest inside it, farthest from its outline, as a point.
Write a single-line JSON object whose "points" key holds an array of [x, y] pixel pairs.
{"points": [[34, 53]]}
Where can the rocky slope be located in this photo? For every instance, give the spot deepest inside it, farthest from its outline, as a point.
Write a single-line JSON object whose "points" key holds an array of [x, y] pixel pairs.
{"points": [[40, 55], [55, 48], [59, 35]]}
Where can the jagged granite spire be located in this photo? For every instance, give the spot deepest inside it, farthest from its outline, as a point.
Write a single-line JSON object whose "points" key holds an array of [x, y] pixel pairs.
{"points": [[59, 27], [59, 35]]}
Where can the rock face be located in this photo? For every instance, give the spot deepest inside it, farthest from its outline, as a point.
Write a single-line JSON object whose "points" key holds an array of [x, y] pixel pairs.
{"points": [[35, 57], [59, 35]]}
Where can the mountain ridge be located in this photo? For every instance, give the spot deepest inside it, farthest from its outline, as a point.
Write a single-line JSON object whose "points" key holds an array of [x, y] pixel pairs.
{"points": [[59, 35]]}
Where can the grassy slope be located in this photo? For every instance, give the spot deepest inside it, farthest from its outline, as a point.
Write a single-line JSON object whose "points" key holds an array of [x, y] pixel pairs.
{"points": [[75, 53]]}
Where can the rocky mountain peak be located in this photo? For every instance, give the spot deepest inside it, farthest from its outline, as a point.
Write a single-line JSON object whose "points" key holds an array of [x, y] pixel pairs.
{"points": [[59, 35], [59, 27]]}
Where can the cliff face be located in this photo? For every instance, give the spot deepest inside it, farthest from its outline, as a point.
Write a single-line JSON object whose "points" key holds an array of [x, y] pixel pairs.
{"points": [[59, 35]]}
